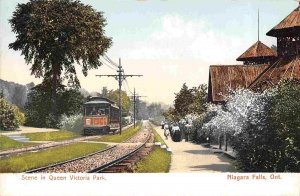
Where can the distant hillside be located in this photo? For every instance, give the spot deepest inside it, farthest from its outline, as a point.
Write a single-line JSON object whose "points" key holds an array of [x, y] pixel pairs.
{"points": [[15, 93]]}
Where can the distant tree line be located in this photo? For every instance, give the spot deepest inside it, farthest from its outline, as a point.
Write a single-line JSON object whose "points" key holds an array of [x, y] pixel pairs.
{"points": [[188, 101]]}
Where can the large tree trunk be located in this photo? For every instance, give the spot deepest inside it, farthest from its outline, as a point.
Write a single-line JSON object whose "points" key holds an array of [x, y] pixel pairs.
{"points": [[55, 78]]}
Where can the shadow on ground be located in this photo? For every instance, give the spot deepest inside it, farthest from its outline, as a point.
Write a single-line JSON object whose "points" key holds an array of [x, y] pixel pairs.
{"points": [[213, 167], [198, 152]]}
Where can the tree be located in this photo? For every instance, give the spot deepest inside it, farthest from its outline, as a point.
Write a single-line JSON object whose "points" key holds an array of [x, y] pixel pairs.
{"points": [[105, 92], [37, 108], [10, 116], [183, 100], [198, 106], [53, 35], [284, 114], [114, 96]]}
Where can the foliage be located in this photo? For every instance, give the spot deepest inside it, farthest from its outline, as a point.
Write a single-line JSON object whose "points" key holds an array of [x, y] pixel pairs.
{"points": [[188, 101], [157, 137], [50, 136], [38, 107], [170, 115], [27, 161], [54, 35], [70, 102], [126, 134], [284, 114], [158, 161], [10, 116], [20, 116], [198, 106], [263, 128], [7, 143], [182, 101], [72, 123], [198, 133], [114, 96]]}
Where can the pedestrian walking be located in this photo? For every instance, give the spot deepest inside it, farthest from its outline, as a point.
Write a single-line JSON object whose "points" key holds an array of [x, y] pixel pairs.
{"points": [[166, 131]]}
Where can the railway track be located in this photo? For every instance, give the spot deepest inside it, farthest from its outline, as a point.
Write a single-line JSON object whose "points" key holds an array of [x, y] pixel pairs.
{"points": [[125, 162], [103, 161], [40, 147], [50, 144]]}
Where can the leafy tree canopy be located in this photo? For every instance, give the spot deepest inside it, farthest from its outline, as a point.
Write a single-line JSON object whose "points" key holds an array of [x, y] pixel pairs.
{"points": [[190, 101], [55, 34], [114, 96], [182, 101]]}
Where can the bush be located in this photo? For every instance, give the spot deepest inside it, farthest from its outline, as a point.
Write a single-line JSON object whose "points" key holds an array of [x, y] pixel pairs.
{"points": [[38, 108], [72, 123], [284, 114], [20, 116], [8, 118], [263, 127]]}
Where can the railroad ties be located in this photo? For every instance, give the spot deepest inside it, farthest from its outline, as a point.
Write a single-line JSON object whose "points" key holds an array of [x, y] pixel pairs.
{"points": [[116, 159]]}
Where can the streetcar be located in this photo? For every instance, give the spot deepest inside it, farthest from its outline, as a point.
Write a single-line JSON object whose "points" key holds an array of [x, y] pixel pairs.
{"points": [[101, 116]]}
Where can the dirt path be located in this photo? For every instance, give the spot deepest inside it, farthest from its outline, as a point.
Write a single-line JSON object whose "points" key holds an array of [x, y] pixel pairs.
{"points": [[24, 129], [189, 157]]}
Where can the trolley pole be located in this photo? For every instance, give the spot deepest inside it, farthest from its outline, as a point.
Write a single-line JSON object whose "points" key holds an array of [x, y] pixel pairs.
{"points": [[135, 97], [120, 77], [134, 108]]}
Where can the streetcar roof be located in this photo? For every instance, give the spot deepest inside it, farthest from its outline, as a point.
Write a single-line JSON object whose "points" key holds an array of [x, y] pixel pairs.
{"points": [[100, 100]]}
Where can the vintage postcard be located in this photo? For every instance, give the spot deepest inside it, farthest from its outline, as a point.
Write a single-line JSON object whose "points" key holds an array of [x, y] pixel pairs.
{"points": [[149, 97]]}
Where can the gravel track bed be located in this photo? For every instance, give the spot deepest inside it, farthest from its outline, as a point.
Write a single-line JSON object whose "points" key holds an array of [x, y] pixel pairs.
{"points": [[94, 161], [140, 136]]}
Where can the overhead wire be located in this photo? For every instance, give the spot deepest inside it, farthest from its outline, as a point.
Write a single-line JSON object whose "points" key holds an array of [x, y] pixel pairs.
{"points": [[110, 61], [108, 65]]}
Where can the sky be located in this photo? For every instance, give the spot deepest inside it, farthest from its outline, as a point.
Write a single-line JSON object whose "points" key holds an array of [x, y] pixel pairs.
{"points": [[169, 42]]}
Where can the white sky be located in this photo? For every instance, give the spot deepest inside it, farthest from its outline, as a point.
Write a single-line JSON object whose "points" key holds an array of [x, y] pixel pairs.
{"points": [[169, 42]]}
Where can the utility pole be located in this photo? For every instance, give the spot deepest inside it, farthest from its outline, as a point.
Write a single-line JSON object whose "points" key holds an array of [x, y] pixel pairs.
{"points": [[135, 97], [120, 77]]}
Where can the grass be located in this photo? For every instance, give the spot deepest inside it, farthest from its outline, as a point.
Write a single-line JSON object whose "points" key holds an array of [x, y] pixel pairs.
{"points": [[51, 136], [117, 138], [31, 160], [7, 143], [157, 137], [158, 161]]}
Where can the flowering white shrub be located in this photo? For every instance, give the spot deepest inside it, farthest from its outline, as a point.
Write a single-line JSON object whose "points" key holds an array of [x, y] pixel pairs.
{"points": [[243, 108], [72, 123]]}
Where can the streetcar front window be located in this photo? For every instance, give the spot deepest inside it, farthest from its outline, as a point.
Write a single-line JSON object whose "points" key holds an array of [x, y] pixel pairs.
{"points": [[96, 111]]}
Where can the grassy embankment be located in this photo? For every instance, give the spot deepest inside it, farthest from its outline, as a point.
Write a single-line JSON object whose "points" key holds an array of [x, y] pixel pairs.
{"points": [[158, 161], [7, 143], [117, 138], [27, 161], [157, 137], [51, 136]]}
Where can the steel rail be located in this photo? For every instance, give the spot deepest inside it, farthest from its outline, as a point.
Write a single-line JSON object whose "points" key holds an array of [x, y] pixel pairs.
{"points": [[68, 161], [116, 161]]}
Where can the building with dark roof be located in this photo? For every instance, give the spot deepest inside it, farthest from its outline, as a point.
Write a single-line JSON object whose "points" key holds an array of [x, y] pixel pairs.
{"points": [[257, 54], [258, 71], [223, 78], [287, 66]]}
